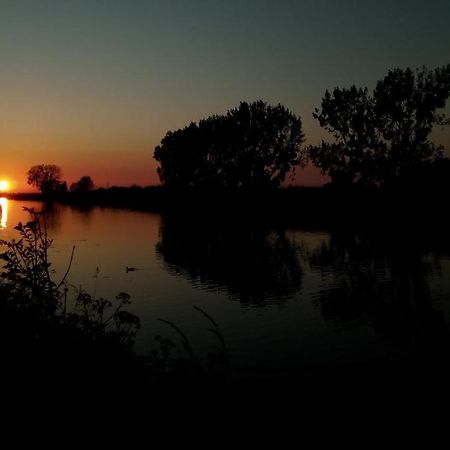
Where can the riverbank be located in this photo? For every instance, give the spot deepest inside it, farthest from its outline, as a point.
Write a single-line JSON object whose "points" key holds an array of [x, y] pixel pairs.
{"points": [[309, 206]]}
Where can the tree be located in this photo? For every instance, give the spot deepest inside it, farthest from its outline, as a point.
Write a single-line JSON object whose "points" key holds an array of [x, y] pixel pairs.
{"points": [[46, 177], [382, 138], [83, 185], [348, 115], [405, 105], [253, 145]]}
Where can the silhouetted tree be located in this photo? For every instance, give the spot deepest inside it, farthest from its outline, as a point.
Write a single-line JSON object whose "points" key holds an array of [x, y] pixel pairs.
{"points": [[382, 138], [253, 145], [348, 115], [405, 104], [62, 187], [83, 185], [47, 178]]}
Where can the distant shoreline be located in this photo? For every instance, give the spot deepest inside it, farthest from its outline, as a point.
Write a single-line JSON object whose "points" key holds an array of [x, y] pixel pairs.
{"points": [[23, 196], [309, 206]]}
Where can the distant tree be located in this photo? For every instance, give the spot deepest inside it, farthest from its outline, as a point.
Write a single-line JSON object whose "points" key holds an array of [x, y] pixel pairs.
{"points": [[253, 145], [47, 178], [382, 138], [83, 185]]}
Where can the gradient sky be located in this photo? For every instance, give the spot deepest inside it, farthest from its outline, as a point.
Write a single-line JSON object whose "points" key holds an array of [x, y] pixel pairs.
{"points": [[94, 85]]}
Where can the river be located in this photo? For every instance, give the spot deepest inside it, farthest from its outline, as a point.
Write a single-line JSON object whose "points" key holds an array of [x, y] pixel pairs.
{"points": [[288, 300]]}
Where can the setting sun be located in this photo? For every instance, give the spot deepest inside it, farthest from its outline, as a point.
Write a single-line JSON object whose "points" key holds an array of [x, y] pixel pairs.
{"points": [[4, 185]]}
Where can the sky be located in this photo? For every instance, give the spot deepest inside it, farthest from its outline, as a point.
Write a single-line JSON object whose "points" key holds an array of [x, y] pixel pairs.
{"points": [[93, 86]]}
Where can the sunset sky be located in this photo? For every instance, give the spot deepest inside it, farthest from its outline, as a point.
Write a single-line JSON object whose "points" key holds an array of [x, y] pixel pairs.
{"points": [[93, 86]]}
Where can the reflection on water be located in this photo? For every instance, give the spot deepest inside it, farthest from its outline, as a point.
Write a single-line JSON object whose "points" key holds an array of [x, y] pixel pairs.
{"points": [[395, 283], [385, 280], [3, 212], [253, 264], [381, 280], [350, 298]]}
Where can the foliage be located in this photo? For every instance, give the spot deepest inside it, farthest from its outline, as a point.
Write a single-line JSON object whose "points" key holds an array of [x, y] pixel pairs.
{"points": [[28, 287], [47, 178], [27, 270], [405, 105], [347, 115], [83, 185], [38, 321], [253, 145], [383, 137]]}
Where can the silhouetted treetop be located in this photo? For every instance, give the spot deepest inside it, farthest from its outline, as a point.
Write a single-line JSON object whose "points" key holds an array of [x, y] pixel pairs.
{"points": [[383, 137], [348, 115], [253, 145], [47, 178], [83, 185]]}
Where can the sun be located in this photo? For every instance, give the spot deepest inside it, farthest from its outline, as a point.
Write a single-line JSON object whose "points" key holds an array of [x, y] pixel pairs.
{"points": [[4, 185]]}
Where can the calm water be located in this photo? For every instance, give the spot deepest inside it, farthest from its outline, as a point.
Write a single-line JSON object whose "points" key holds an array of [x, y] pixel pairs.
{"points": [[285, 298]]}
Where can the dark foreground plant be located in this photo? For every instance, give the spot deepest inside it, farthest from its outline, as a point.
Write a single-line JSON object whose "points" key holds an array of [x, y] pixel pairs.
{"points": [[215, 368], [49, 344], [27, 287], [85, 338]]}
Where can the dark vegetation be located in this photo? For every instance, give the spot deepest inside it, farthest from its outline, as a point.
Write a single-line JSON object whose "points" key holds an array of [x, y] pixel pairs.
{"points": [[47, 178], [253, 146], [423, 200], [47, 341], [57, 339], [83, 186], [382, 139]]}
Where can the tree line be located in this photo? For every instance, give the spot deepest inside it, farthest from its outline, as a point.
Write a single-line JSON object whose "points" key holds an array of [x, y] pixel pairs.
{"points": [[376, 139], [47, 178], [379, 138]]}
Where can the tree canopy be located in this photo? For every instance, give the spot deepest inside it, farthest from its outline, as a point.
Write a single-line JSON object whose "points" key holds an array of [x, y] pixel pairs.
{"points": [[382, 137], [83, 185], [253, 145], [47, 178]]}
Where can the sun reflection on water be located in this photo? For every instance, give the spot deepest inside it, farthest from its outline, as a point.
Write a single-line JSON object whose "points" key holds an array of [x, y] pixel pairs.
{"points": [[3, 213]]}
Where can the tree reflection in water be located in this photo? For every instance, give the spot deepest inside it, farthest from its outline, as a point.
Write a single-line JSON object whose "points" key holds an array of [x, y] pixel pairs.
{"points": [[381, 280], [367, 277], [384, 280], [254, 264]]}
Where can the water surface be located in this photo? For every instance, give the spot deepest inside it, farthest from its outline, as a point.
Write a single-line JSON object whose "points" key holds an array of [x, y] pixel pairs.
{"points": [[288, 300]]}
